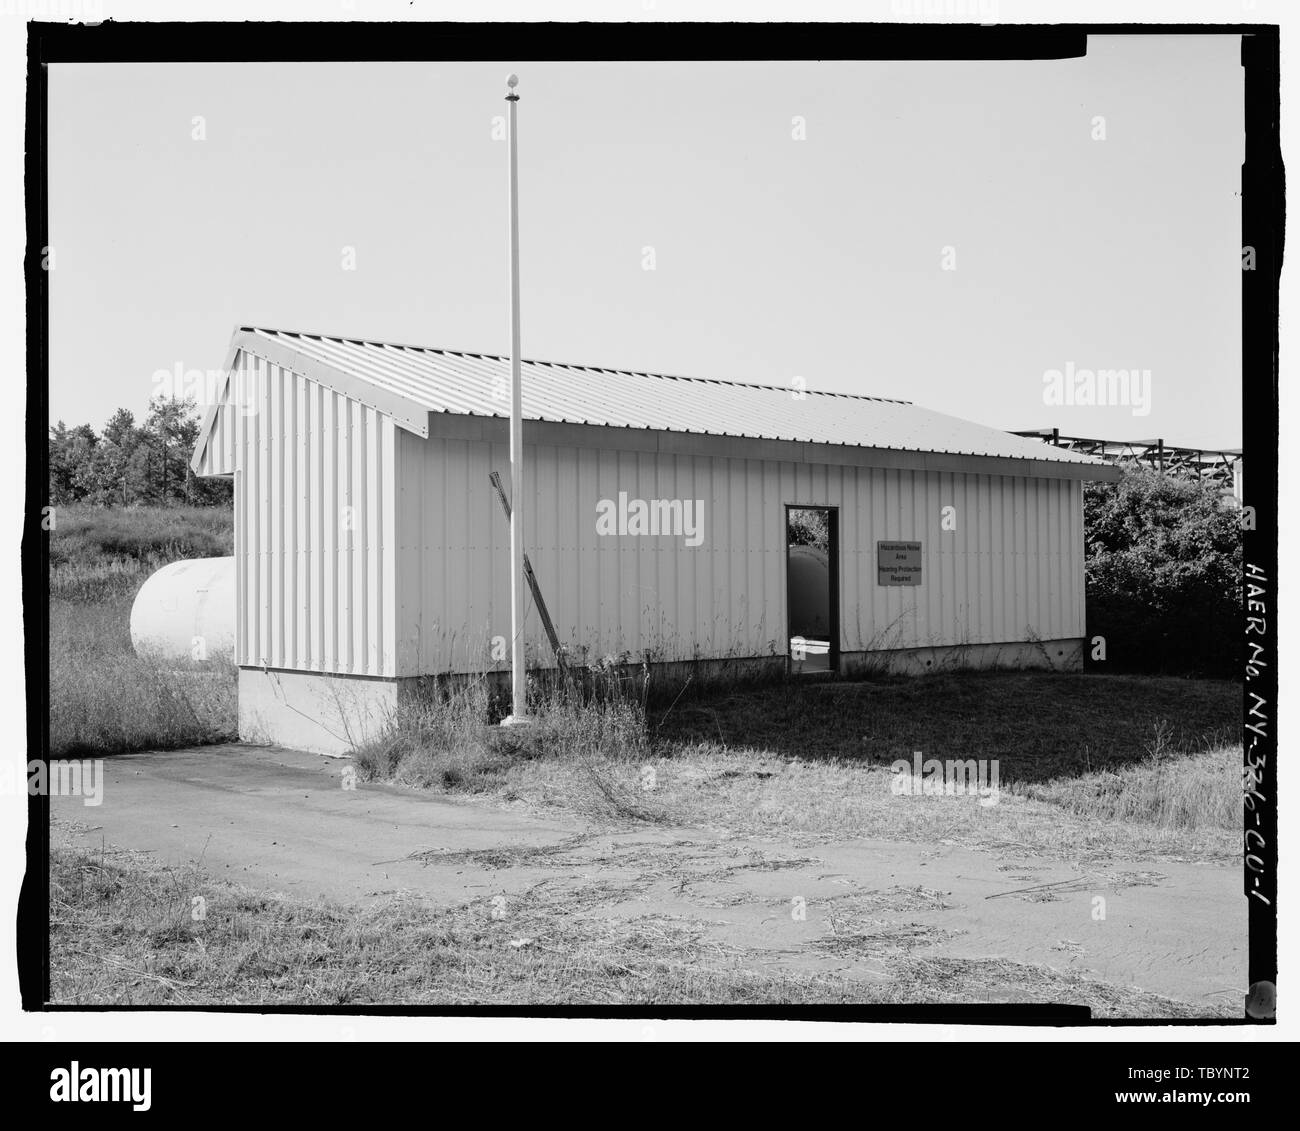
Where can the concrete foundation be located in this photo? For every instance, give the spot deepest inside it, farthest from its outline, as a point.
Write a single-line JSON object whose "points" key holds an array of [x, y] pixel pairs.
{"points": [[1044, 655], [329, 714], [326, 714]]}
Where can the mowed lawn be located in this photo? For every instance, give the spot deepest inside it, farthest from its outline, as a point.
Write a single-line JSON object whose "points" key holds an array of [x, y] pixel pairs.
{"points": [[1039, 725]]}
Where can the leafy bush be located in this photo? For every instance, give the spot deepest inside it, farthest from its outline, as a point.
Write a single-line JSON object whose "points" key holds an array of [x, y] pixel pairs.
{"points": [[808, 527], [1164, 574]]}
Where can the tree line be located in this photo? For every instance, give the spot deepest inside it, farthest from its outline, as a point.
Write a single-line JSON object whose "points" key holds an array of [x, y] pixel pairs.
{"points": [[130, 464]]}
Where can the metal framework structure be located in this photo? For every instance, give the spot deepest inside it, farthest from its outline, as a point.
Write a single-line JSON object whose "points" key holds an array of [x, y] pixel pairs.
{"points": [[1221, 465]]}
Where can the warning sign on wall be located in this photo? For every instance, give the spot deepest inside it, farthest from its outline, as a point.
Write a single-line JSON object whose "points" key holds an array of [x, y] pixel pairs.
{"points": [[898, 563]]}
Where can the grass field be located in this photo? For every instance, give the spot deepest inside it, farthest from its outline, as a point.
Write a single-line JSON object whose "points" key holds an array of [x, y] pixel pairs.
{"points": [[100, 553], [103, 697]]}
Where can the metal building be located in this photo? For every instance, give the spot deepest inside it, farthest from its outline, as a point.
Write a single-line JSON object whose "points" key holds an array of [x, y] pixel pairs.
{"points": [[371, 547]]}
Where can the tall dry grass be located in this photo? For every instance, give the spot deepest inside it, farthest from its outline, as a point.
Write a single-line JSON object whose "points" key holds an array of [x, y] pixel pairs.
{"points": [[99, 554], [447, 737], [86, 534], [1195, 791], [104, 699]]}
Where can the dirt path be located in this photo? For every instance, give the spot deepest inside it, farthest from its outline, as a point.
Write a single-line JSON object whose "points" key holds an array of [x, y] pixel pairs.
{"points": [[281, 820]]}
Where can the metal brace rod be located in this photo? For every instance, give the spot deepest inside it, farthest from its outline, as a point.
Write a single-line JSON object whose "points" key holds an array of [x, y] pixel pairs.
{"points": [[532, 582]]}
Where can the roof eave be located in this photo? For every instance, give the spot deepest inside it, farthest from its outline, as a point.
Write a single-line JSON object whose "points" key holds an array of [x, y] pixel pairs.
{"points": [[210, 412]]}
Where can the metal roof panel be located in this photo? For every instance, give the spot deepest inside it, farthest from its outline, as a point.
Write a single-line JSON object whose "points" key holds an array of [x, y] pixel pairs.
{"points": [[450, 381]]}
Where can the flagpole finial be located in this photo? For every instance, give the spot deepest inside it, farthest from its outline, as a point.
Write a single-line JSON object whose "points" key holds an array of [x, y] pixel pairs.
{"points": [[512, 81]]}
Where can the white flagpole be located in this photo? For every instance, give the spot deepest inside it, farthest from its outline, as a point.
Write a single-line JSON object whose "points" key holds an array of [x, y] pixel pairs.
{"points": [[519, 696]]}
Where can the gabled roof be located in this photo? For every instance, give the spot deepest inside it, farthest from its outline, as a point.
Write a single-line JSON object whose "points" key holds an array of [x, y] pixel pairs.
{"points": [[409, 382]]}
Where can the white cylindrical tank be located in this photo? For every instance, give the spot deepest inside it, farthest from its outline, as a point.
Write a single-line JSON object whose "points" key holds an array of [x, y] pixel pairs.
{"points": [[186, 611]]}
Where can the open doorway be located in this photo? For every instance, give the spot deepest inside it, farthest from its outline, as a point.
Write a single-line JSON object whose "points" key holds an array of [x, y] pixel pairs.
{"points": [[812, 588]]}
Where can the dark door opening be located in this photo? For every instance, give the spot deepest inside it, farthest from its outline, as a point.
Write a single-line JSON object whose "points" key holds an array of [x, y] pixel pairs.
{"points": [[812, 588]]}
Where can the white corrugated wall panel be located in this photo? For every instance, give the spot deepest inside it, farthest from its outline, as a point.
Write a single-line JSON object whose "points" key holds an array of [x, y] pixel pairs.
{"points": [[1011, 571], [263, 484], [218, 454], [331, 533], [315, 518]]}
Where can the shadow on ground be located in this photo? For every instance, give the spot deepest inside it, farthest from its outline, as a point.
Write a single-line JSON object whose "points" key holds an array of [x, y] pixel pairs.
{"points": [[1039, 725]]}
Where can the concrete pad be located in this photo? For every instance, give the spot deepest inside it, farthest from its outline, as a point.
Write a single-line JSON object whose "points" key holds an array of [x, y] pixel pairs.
{"points": [[281, 820], [1178, 930]]}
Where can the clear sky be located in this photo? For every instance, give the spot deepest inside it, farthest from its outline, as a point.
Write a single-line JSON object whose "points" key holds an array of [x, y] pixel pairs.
{"points": [[821, 258]]}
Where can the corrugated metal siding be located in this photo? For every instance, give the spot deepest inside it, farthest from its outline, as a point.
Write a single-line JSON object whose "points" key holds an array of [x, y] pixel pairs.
{"points": [[1012, 570], [314, 524], [217, 456], [477, 385]]}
